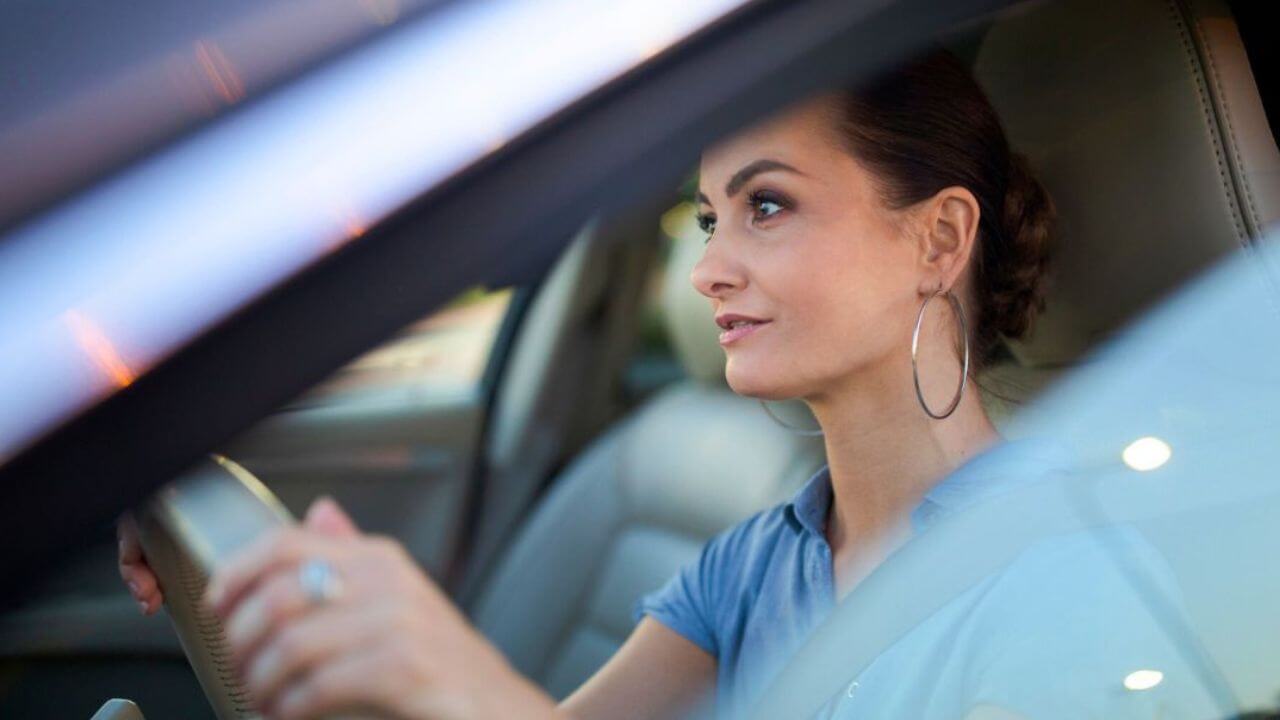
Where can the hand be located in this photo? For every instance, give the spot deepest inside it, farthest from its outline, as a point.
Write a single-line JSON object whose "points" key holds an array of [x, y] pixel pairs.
{"points": [[135, 572], [390, 643]]}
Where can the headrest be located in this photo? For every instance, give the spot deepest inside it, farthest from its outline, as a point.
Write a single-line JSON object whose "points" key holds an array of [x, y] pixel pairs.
{"points": [[1143, 121]]}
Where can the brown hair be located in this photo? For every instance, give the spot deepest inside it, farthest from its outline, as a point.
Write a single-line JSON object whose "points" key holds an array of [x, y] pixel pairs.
{"points": [[927, 125]]}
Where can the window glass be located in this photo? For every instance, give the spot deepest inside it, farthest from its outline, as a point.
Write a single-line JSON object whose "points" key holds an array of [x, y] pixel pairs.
{"points": [[444, 353], [655, 363]]}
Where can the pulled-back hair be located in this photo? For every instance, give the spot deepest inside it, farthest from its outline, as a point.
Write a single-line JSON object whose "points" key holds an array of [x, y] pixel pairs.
{"points": [[927, 125]]}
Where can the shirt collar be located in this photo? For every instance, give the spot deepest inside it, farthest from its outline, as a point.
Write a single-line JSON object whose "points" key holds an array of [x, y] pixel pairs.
{"points": [[999, 468], [809, 505]]}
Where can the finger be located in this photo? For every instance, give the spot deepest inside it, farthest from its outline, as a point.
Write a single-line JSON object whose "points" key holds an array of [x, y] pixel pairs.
{"points": [[143, 586], [149, 592], [309, 641], [135, 572], [327, 517], [351, 684], [129, 574], [262, 612], [127, 534], [279, 548]]}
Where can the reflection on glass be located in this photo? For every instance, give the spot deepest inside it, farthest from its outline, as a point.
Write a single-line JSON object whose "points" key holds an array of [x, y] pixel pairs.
{"points": [[219, 71], [1143, 679], [99, 348], [1146, 453]]}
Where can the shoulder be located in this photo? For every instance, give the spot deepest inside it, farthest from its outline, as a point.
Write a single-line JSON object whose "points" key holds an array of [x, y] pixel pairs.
{"points": [[753, 534], [1072, 616], [730, 561], [737, 565], [773, 534], [711, 587], [1084, 579], [1098, 564]]}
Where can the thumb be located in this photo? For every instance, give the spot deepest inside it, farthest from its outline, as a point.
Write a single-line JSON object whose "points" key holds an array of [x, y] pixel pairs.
{"points": [[326, 516]]}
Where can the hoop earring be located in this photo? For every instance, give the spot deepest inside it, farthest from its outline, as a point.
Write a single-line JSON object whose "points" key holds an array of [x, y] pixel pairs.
{"points": [[792, 428], [915, 343]]}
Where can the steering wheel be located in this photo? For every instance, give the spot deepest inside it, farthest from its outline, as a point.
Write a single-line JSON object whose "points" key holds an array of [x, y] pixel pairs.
{"points": [[186, 529]]}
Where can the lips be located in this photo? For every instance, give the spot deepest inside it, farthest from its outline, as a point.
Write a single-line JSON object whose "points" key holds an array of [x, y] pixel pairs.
{"points": [[728, 320], [737, 327]]}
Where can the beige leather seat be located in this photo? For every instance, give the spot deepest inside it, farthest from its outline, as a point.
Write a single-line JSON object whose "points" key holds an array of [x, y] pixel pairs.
{"points": [[1143, 119]]}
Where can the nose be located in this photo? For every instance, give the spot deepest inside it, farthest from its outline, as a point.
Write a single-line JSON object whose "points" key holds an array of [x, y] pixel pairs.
{"points": [[716, 274]]}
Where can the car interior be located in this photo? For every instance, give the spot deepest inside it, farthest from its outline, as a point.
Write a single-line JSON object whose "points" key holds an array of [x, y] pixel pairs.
{"points": [[592, 446]]}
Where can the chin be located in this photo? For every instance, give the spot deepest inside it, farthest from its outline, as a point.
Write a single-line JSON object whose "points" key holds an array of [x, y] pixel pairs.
{"points": [[753, 382]]}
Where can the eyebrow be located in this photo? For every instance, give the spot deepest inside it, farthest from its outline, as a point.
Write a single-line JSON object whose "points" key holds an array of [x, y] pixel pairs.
{"points": [[747, 172]]}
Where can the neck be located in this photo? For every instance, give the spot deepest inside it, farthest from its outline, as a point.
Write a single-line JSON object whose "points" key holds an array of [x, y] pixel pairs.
{"points": [[884, 453]]}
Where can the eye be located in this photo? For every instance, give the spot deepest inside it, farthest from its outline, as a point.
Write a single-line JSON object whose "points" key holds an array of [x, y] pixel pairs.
{"points": [[707, 223], [767, 204]]}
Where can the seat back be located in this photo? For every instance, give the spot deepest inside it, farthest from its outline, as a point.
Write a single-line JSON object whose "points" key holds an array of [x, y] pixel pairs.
{"points": [[1142, 119]]}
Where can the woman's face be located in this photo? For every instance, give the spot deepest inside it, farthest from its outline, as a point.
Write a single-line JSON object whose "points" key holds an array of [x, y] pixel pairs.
{"points": [[802, 240]]}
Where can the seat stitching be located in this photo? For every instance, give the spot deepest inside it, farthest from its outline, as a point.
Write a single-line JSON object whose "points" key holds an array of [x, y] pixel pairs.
{"points": [[1206, 110], [1240, 174]]}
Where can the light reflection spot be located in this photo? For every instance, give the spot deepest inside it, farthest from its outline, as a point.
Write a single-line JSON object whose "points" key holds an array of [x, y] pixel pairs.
{"points": [[1146, 453], [1143, 679], [219, 71], [99, 348]]}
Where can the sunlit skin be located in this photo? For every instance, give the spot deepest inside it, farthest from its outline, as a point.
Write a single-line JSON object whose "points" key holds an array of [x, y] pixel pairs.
{"points": [[840, 276]]}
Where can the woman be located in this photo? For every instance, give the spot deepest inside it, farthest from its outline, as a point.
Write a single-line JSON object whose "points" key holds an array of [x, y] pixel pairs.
{"points": [[831, 228]]}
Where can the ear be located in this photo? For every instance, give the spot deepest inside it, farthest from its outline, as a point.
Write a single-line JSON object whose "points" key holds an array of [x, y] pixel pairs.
{"points": [[950, 223]]}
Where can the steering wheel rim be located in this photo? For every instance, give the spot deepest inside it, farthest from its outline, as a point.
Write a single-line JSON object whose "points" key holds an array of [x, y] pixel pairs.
{"points": [[187, 529]]}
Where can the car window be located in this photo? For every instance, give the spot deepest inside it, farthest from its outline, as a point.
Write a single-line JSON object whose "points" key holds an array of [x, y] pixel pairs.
{"points": [[653, 363], [446, 351]]}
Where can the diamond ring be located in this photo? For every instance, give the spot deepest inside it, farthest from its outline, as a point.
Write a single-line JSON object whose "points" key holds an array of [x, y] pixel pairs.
{"points": [[320, 583]]}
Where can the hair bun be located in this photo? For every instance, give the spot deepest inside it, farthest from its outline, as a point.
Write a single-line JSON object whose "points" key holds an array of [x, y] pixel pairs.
{"points": [[926, 125], [1019, 287]]}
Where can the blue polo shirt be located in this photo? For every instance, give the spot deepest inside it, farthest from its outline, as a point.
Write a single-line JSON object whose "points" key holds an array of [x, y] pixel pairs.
{"points": [[757, 589]]}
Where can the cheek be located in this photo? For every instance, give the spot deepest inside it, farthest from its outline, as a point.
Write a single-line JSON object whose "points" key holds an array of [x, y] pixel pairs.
{"points": [[848, 302]]}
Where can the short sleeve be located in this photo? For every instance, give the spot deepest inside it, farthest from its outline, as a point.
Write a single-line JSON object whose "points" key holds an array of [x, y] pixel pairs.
{"points": [[688, 602]]}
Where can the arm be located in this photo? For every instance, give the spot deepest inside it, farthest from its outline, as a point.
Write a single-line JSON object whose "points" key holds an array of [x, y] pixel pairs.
{"points": [[392, 644], [656, 673]]}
